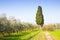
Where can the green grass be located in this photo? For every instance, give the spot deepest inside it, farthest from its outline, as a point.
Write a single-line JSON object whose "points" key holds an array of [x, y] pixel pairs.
{"points": [[36, 37], [56, 34], [21, 36], [40, 36]]}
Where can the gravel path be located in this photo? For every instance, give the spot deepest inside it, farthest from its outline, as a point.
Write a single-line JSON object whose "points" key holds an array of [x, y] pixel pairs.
{"points": [[44, 35], [48, 36]]}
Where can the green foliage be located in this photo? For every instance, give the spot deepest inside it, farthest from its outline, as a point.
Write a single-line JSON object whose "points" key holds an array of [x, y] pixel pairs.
{"points": [[9, 26], [39, 16], [13, 29]]}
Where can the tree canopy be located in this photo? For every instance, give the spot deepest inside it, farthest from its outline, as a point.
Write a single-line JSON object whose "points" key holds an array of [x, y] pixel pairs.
{"points": [[39, 16]]}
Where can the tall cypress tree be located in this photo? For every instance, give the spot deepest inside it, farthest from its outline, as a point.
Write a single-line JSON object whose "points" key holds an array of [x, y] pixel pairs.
{"points": [[39, 16]]}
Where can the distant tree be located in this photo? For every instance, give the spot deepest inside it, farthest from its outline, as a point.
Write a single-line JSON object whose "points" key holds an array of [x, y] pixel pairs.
{"points": [[3, 23], [39, 16]]}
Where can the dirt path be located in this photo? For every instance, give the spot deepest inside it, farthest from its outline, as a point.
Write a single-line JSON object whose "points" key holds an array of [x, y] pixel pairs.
{"points": [[48, 36], [39, 36], [44, 35]]}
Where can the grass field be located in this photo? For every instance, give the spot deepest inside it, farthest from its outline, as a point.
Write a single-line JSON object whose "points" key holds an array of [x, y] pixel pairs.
{"points": [[56, 34], [33, 35], [21, 36], [39, 36]]}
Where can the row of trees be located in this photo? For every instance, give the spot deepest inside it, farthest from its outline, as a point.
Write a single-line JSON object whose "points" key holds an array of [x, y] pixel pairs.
{"points": [[51, 27], [13, 25]]}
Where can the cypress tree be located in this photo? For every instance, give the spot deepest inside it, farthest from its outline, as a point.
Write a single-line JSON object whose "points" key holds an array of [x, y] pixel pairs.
{"points": [[39, 16]]}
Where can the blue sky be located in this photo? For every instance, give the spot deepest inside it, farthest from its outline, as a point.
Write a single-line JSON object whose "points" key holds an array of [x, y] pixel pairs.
{"points": [[25, 10]]}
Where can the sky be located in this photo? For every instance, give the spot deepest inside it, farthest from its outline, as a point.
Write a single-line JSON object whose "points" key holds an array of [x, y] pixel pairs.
{"points": [[26, 10]]}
